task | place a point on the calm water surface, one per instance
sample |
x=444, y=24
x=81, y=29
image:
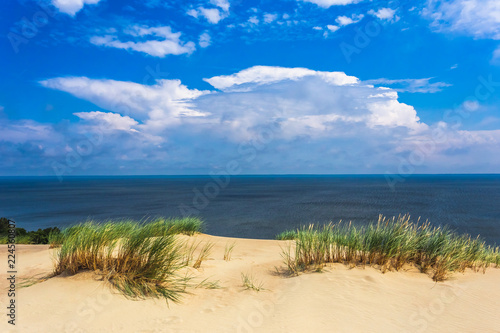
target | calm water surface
x=256, y=206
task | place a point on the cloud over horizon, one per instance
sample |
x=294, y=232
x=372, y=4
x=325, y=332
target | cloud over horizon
x=301, y=121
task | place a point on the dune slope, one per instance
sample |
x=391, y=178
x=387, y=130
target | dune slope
x=338, y=299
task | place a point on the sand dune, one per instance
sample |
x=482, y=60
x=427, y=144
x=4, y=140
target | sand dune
x=337, y=300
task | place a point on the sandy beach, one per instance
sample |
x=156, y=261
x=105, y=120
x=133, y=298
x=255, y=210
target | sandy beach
x=338, y=299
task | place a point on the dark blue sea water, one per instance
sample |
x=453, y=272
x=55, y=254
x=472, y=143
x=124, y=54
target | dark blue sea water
x=256, y=206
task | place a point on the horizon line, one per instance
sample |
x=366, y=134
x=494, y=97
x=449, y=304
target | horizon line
x=257, y=174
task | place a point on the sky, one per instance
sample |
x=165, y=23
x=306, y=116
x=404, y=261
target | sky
x=152, y=87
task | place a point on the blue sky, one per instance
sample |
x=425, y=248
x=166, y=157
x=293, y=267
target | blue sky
x=107, y=87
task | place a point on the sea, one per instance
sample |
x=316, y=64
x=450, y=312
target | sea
x=257, y=206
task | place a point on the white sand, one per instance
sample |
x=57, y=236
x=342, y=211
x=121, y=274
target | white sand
x=336, y=300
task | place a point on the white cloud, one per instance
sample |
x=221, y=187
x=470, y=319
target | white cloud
x=109, y=123
x=316, y=118
x=204, y=40
x=24, y=131
x=477, y=18
x=162, y=104
x=318, y=28
x=471, y=105
x=383, y=13
x=390, y=112
x=167, y=42
x=329, y=3
x=224, y=4
x=411, y=85
x=71, y=7
x=344, y=20
x=303, y=101
x=269, y=18
x=259, y=75
x=333, y=28
x=192, y=12
x=309, y=102
x=212, y=15
x=253, y=20
x=112, y=120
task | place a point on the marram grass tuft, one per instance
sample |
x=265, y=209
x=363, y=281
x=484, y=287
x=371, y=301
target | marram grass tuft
x=139, y=259
x=390, y=244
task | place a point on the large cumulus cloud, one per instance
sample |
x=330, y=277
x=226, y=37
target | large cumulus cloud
x=275, y=120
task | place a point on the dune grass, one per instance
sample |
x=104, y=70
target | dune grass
x=228, y=250
x=287, y=235
x=139, y=259
x=203, y=254
x=389, y=244
x=249, y=282
x=189, y=250
x=55, y=239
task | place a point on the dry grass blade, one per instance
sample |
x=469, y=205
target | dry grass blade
x=228, y=250
x=249, y=282
x=203, y=255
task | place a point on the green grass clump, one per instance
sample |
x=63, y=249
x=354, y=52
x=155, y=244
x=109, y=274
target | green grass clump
x=55, y=239
x=390, y=244
x=187, y=226
x=249, y=282
x=287, y=235
x=138, y=259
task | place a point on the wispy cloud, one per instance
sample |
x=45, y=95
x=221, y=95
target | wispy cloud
x=384, y=14
x=477, y=18
x=329, y=3
x=344, y=20
x=163, y=104
x=223, y=4
x=163, y=41
x=24, y=131
x=269, y=18
x=410, y=85
x=332, y=27
x=213, y=14
x=112, y=120
x=205, y=40
x=253, y=20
